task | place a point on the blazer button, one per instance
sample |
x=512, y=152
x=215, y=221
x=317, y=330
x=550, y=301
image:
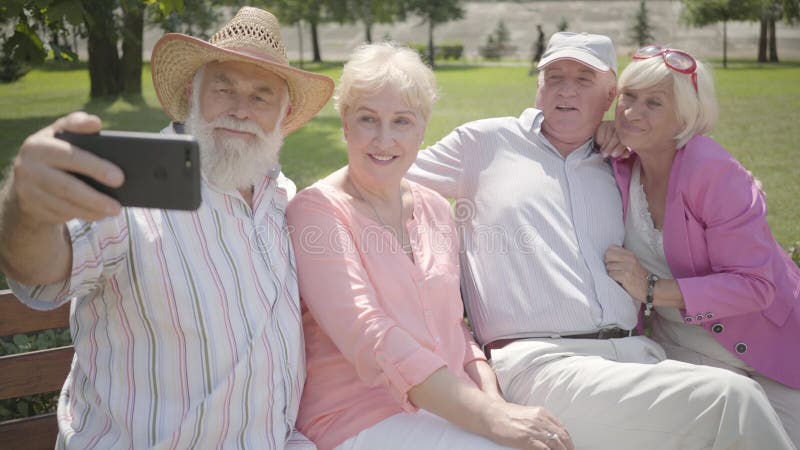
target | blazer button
x=717, y=328
x=688, y=318
x=741, y=347
x=709, y=315
x=699, y=317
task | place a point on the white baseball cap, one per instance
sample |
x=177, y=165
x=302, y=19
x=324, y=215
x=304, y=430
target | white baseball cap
x=594, y=50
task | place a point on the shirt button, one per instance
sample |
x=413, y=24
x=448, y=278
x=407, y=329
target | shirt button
x=699, y=317
x=718, y=328
x=687, y=318
x=741, y=347
x=709, y=315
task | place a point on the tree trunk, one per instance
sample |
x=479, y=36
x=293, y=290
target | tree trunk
x=367, y=13
x=431, y=48
x=132, y=33
x=368, y=32
x=762, y=40
x=104, y=65
x=773, y=44
x=315, y=43
x=724, y=44
x=300, y=40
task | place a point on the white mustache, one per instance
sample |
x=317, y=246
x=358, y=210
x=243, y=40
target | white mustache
x=247, y=125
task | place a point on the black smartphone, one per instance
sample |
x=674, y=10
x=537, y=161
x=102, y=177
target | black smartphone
x=161, y=170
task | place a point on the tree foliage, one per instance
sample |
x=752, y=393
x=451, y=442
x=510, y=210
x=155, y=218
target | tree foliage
x=197, y=18
x=640, y=32
x=371, y=12
x=29, y=30
x=706, y=12
x=108, y=24
x=435, y=12
x=310, y=12
x=498, y=43
x=767, y=12
x=773, y=11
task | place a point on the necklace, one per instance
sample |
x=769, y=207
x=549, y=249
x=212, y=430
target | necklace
x=402, y=238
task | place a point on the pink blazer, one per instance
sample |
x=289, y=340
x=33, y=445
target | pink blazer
x=736, y=280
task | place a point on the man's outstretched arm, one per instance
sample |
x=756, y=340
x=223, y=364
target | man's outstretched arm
x=40, y=196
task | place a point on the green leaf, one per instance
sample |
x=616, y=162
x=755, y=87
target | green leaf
x=25, y=48
x=69, y=10
x=167, y=6
x=46, y=339
x=21, y=340
x=23, y=407
x=13, y=8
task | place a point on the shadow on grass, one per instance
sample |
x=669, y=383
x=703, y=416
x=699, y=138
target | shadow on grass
x=746, y=64
x=317, y=67
x=135, y=115
x=62, y=66
x=455, y=67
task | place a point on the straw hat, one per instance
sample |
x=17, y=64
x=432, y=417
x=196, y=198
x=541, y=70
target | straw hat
x=252, y=36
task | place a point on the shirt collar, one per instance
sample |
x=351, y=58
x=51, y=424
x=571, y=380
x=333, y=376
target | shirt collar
x=531, y=120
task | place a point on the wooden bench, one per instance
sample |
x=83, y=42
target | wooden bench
x=35, y=372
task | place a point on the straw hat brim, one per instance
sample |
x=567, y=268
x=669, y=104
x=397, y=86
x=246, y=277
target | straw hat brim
x=176, y=58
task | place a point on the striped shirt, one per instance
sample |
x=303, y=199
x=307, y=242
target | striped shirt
x=533, y=228
x=186, y=326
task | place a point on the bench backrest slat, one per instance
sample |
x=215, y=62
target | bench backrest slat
x=34, y=433
x=29, y=373
x=17, y=318
x=34, y=372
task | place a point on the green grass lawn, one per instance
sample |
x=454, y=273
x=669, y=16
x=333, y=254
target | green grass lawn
x=760, y=113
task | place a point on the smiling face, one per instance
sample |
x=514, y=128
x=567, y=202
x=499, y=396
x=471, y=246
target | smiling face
x=383, y=135
x=235, y=114
x=243, y=92
x=646, y=119
x=573, y=98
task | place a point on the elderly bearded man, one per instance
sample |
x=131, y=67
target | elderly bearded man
x=537, y=207
x=187, y=333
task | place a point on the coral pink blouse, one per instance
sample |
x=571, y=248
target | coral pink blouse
x=376, y=324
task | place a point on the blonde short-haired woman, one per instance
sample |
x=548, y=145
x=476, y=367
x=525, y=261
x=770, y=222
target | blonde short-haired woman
x=698, y=252
x=391, y=364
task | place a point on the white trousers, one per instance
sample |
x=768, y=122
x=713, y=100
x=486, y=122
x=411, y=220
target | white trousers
x=623, y=394
x=417, y=431
x=784, y=399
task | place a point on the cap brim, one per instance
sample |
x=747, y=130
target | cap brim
x=575, y=55
x=176, y=58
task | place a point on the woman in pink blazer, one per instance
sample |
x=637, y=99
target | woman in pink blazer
x=698, y=252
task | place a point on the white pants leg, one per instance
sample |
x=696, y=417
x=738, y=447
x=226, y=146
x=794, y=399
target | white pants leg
x=417, y=431
x=620, y=394
x=785, y=400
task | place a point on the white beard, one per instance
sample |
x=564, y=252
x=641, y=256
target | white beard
x=232, y=162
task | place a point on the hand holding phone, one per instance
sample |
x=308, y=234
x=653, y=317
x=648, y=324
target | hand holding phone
x=161, y=171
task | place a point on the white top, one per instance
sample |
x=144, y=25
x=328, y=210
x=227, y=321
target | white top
x=186, y=326
x=533, y=227
x=647, y=243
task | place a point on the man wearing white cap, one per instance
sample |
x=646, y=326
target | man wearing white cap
x=536, y=207
x=186, y=325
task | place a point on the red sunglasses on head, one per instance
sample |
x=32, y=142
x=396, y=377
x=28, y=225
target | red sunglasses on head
x=677, y=60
